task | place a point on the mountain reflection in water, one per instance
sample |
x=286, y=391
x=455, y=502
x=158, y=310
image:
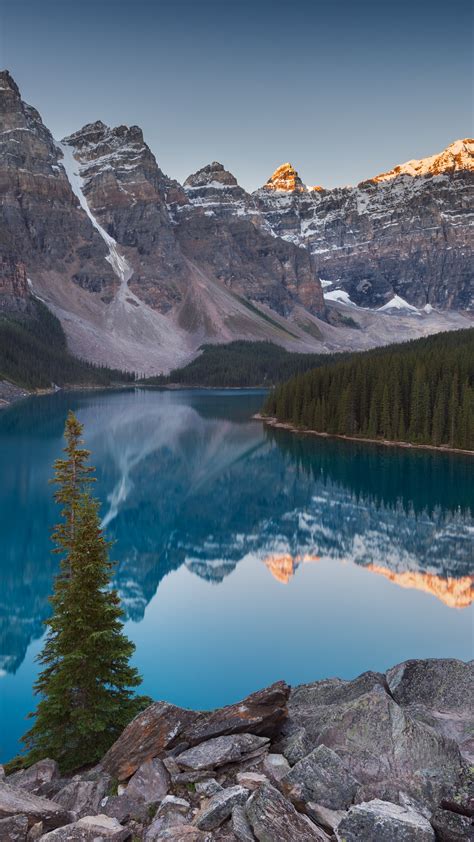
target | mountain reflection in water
x=188, y=479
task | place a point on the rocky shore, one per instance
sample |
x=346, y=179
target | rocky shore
x=382, y=758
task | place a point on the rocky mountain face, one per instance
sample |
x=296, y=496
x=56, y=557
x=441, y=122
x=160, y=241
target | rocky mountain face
x=141, y=270
x=404, y=233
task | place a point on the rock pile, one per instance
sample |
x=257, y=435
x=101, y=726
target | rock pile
x=382, y=758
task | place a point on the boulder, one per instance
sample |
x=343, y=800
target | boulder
x=124, y=808
x=209, y=787
x=90, y=829
x=220, y=807
x=272, y=817
x=150, y=782
x=323, y=816
x=241, y=825
x=276, y=766
x=149, y=735
x=34, y=778
x=251, y=780
x=321, y=777
x=161, y=727
x=222, y=750
x=382, y=821
x=172, y=812
x=14, y=829
x=451, y=827
x=381, y=745
x=261, y=713
x=185, y=833
x=439, y=692
x=20, y=802
x=83, y=797
x=2, y=773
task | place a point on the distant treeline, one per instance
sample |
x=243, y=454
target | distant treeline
x=34, y=354
x=242, y=364
x=420, y=392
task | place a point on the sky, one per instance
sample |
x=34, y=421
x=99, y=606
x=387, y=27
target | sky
x=343, y=90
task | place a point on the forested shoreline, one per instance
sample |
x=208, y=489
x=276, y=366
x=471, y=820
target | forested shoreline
x=419, y=392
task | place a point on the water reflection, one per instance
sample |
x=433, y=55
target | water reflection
x=188, y=481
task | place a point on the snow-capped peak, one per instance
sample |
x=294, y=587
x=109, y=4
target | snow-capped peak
x=457, y=156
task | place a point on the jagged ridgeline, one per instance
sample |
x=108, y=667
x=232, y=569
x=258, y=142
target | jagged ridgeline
x=420, y=392
x=34, y=354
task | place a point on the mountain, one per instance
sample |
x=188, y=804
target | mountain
x=405, y=234
x=141, y=270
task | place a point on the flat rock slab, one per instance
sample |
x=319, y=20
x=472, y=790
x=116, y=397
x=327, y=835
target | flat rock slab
x=272, y=817
x=251, y=780
x=241, y=825
x=36, y=809
x=261, y=713
x=451, y=827
x=90, y=829
x=382, y=821
x=150, y=782
x=186, y=833
x=220, y=807
x=276, y=766
x=439, y=692
x=220, y=751
x=149, y=735
x=14, y=829
x=83, y=797
x=33, y=778
x=321, y=777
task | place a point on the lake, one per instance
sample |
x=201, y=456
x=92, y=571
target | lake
x=244, y=555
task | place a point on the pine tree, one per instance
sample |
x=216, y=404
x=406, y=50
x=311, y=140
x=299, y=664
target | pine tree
x=86, y=684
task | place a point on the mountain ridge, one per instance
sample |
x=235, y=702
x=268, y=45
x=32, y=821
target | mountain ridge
x=142, y=270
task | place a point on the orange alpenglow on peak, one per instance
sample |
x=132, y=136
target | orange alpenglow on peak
x=457, y=156
x=285, y=178
x=456, y=593
x=283, y=567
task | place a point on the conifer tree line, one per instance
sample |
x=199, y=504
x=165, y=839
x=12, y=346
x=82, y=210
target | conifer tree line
x=87, y=685
x=420, y=392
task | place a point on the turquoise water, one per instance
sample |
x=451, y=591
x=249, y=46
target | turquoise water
x=243, y=555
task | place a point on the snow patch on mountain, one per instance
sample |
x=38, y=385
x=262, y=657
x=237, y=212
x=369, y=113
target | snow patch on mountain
x=398, y=303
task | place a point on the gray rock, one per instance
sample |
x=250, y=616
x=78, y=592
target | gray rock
x=241, y=825
x=209, y=787
x=323, y=816
x=221, y=750
x=276, y=766
x=452, y=827
x=172, y=812
x=124, y=808
x=272, y=817
x=251, y=780
x=220, y=807
x=17, y=801
x=34, y=778
x=185, y=833
x=380, y=744
x=90, y=829
x=439, y=692
x=382, y=821
x=151, y=781
x=184, y=778
x=83, y=797
x=35, y=832
x=14, y=829
x=321, y=777
x=2, y=773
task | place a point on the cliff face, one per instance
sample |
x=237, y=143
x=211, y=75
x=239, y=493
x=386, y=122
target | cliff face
x=404, y=233
x=142, y=271
x=42, y=226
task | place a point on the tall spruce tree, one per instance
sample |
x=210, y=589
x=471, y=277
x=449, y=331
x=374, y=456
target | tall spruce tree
x=86, y=685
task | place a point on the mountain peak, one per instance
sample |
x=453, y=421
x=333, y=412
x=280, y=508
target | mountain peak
x=7, y=82
x=457, y=156
x=285, y=178
x=211, y=174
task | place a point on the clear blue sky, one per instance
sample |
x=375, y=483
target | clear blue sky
x=343, y=90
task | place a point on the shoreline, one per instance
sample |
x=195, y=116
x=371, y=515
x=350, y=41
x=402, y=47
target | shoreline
x=273, y=422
